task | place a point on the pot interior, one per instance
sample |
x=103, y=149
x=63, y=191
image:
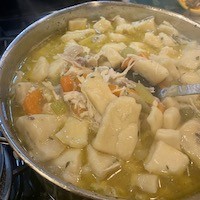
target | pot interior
x=42, y=29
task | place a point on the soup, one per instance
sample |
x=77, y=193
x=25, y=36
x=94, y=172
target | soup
x=81, y=111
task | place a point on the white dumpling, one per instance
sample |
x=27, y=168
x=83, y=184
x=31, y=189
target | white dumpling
x=152, y=40
x=100, y=163
x=166, y=61
x=167, y=28
x=40, y=70
x=190, y=132
x=119, y=20
x=171, y=118
x=155, y=119
x=170, y=102
x=77, y=24
x=167, y=40
x=164, y=159
x=77, y=35
x=74, y=133
x=97, y=91
x=116, y=46
x=113, y=56
x=21, y=90
x=147, y=182
x=139, y=47
x=125, y=28
x=103, y=25
x=39, y=126
x=56, y=68
x=149, y=69
x=147, y=24
x=70, y=162
x=191, y=77
x=190, y=58
x=119, y=124
x=169, y=136
x=117, y=37
x=39, y=130
x=127, y=140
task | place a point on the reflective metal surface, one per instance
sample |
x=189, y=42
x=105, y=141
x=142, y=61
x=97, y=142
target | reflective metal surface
x=43, y=28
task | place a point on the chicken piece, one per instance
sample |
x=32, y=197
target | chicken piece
x=147, y=24
x=102, y=25
x=40, y=70
x=40, y=130
x=77, y=24
x=190, y=132
x=119, y=124
x=171, y=118
x=146, y=182
x=21, y=90
x=155, y=119
x=77, y=35
x=74, y=133
x=97, y=91
x=149, y=69
x=164, y=159
x=152, y=40
x=100, y=163
x=170, y=137
x=70, y=162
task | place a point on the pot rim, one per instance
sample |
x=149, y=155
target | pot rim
x=3, y=119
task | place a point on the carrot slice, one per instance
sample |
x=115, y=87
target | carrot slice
x=67, y=83
x=33, y=102
x=114, y=90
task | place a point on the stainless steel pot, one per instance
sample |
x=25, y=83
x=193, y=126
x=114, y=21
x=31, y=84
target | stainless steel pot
x=45, y=27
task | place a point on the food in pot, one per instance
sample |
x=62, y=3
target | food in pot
x=81, y=111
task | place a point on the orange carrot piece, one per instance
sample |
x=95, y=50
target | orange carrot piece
x=67, y=83
x=113, y=89
x=33, y=102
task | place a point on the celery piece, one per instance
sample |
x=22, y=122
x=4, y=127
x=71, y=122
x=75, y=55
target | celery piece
x=126, y=51
x=59, y=107
x=144, y=93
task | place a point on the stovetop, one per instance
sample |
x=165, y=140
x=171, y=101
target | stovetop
x=17, y=180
